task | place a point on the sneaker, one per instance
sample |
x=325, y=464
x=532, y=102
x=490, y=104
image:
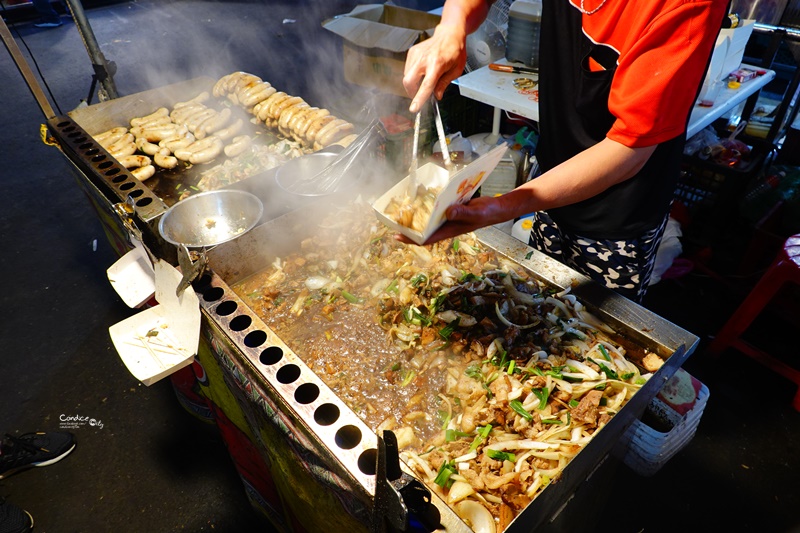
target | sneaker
x=33, y=449
x=48, y=24
x=13, y=519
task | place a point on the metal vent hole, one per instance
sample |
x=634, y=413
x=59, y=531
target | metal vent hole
x=226, y=308
x=144, y=202
x=288, y=374
x=255, y=339
x=271, y=355
x=213, y=294
x=126, y=186
x=120, y=178
x=91, y=152
x=366, y=461
x=200, y=284
x=112, y=171
x=326, y=414
x=136, y=194
x=100, y=157
x=306, y=393
x=241, y=323
x=84, y=146
x=348, y=437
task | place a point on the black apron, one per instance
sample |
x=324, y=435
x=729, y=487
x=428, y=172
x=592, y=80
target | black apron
x=574, y=115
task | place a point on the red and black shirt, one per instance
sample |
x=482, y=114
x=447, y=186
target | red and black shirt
x=631, y=71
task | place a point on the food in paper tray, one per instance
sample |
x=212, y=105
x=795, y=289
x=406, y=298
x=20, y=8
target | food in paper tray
x=438, y=189
x=414, y=213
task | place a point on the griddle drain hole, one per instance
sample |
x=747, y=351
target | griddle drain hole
x=306, y=393
x=256, y=338
x=213, y=294
x=326, y=414
x=347, y=437
x=226, y=308
x=367, y=460
x=271, y=355
x=288, y=374
x=126, y=186
x=241, y=323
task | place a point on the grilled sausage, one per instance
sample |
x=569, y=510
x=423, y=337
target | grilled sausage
x=213, y=123
x=230, y=131
x=134, y=161
x=110, y=136
x=159, y=113
x=238, y=145
x=165, y=160
x=144, y=173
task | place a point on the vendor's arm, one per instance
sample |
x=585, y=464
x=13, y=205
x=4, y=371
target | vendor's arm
x=432, y=64
x=583, y=176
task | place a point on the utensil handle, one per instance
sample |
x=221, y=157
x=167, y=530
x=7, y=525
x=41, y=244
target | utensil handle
x=440, y=130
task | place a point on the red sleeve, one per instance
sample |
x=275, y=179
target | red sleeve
x=657, y=79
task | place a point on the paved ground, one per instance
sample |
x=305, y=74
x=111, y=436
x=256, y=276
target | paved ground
x=151, y=467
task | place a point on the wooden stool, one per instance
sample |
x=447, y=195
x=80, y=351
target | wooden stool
x=785, y=268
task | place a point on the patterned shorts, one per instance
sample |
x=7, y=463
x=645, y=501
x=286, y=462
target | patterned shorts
x=621, y=265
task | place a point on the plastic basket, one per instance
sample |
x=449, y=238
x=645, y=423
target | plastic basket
x=647, y=449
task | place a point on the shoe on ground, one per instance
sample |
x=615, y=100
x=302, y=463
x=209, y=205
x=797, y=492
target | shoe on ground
x=48, y=24
x=13, y=519
x=33, y=449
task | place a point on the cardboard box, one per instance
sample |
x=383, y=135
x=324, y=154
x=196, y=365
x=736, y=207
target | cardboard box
x=726, y=58
x=737, y=40
x=376, y=38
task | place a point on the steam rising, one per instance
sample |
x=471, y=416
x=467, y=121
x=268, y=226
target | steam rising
x=207, y=39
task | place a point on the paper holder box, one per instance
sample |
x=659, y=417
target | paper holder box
x=456, y=188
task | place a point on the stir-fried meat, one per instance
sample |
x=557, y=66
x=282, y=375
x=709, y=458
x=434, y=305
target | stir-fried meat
x=466, y=357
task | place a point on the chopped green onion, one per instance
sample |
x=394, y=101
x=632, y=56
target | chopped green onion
x=574, y=403
x=453, y=434
x=552, y=421
x=446, y=331
x=529, y=255
x=443, y=476
x=455, y=245
x=419, y=279
x=392, y=287
x=627, y=375
x=610, y=373
x=474, y=371
x=603, y=401
x=501, y=456
x=516, y=405
x=480, y=437
x=639, y=381
x=349, y=297
x=397, y=366
x=600, y=386
x=542, y=394
x=408, y=378
x=511, y=366
x=604, y=352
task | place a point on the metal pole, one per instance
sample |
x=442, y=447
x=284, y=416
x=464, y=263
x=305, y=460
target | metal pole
x=25, y=70
x=103, y=70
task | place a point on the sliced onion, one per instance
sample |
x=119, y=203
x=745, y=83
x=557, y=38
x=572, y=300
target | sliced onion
x=314, y=283
x=584, y=368
x=561, y=305
x=507, y=322
x=521, y=297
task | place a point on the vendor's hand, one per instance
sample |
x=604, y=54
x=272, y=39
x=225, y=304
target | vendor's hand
x=432, y=64
x=462, y=218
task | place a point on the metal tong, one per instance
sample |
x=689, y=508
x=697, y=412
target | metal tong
x=448, y=163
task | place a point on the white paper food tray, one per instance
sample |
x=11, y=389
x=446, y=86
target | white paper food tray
x=160, y=340
x=458, y=188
